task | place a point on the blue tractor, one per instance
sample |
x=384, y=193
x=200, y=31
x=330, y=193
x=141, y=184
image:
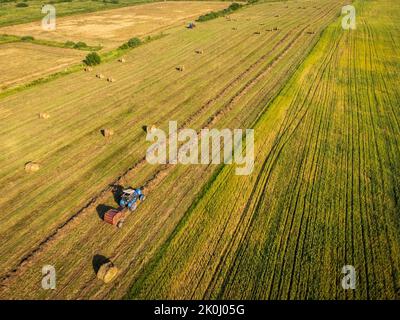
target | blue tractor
x=191, y=25
x=130, y=198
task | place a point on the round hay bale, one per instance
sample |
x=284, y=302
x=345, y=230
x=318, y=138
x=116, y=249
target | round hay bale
x=44, y=115
x=180, y=68
x=257, y=32
x=151, y=128
x=108, y=132
x=122, y=60
x=107, y=272
x=199, y=51
x=32, y=167
x=88, y=69
x=100, y=76
x=110, y=79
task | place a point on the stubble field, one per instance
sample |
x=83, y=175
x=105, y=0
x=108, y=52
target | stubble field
x=110, y=28
x=23, y=62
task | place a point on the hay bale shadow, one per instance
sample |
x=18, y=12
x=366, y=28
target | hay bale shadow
x=97, y=261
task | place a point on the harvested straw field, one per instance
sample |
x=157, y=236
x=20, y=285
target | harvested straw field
x=323, y=192
x=23, y=62
x=12, y=15
x=111, y=28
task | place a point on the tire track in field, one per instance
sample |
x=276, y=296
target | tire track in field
x=267, y=167
x=356, y=164
x=315, y=192
x=315, y=124
x=388, y=151
x=241, y=222
x=309, y=162
x=294, y=198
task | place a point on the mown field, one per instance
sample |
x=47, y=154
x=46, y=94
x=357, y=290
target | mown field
x=10, y=14
x=324, y=192
x=110, y=28
x=52, y=216
x=105, y=30
x=24, y=62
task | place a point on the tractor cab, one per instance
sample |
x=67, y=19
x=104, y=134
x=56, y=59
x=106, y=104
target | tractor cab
x=191, y=25
x=130, y=198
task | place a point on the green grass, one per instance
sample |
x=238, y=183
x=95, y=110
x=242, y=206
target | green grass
x=5, y=38
x=323, y=193
x=216, y=14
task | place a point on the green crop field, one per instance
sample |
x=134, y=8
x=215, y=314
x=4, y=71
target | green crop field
x=323, y=193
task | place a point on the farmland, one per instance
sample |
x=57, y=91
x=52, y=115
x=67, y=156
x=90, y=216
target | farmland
x=338, y=151
x=17, y=58
x=323, y=103
x=103, y=30
x=110, y=28
x=11, y=14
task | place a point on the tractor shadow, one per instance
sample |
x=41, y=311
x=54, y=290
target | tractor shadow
x=102, y=209
x=117, y=191
x=97, y=261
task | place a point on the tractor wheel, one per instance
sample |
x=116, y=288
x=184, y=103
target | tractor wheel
x=133, y=207
x=120, y=224
x=142, y=197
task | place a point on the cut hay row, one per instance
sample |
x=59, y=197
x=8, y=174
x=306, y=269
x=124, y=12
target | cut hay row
x=243, y=83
